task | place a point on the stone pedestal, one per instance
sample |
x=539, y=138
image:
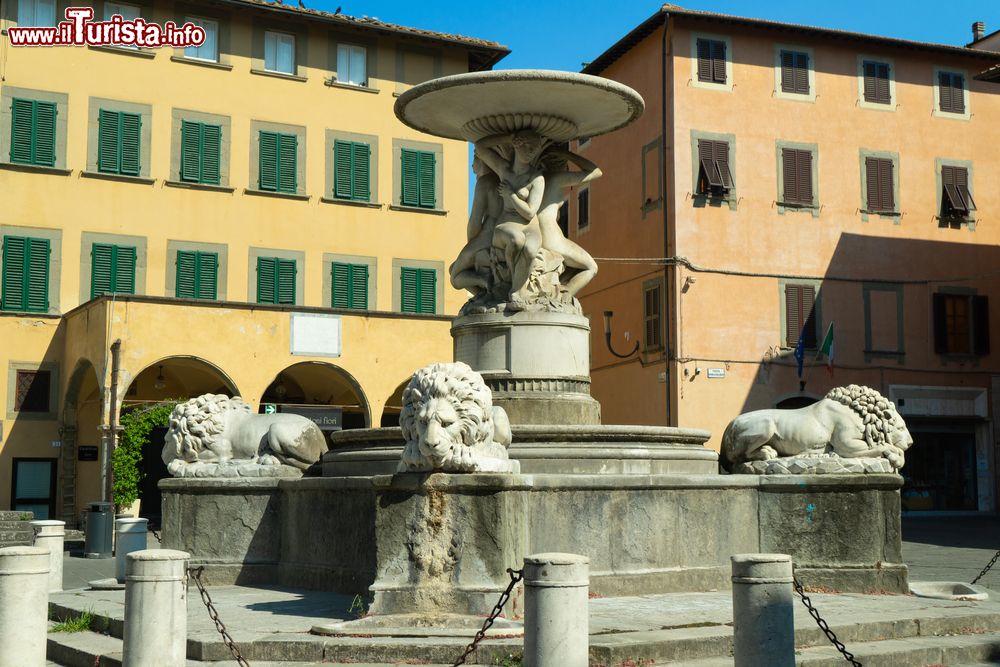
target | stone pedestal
x=130, y=535
x=763, y=618
x=556, y=615
x=155, y=609
x=536, y=363
x=24, y=603
x=51, y=534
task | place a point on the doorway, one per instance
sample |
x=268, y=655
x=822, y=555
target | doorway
x=152, y=469
x=940, y=471
x=34, y=487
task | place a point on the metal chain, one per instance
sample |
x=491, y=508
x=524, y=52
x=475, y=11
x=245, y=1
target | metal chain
x=988, y=567
x=195, y=573
x=515, y=577
x=156, y=535
x=837, y=644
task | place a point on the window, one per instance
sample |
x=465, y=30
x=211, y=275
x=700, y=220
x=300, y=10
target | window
x=25, y=274
x=652, y=316
x=876, y=84
x=418, y=178
x=197, y=275
x=276, y=280
x=583, y=209
x=800, y=315
x=951, y=92
x=352, y=64
x=34, y=487
x=349, y=285
x=127, y=12
x=201, y=149
x=797, y=176
x=279, y=52
x=418, y=290
x=795, y=72
x=714, y=177
x=118, y=142
x=351, y=166
x=711, y=61
x=36, y=13
x=956, y=199
x=879, y=185
x=112, y=269
x=961, y=324
x=278, y=162
x=209, y=50
x=32, y=391
x=33, y=132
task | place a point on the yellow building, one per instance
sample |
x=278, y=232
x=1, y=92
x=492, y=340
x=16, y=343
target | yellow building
x=244, y=217
x=782, y=180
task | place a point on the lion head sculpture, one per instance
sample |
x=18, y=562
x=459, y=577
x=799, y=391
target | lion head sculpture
x=210, y=431
x=450, y=424
x=882, y=423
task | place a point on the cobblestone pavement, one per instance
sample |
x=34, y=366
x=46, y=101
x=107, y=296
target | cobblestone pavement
x=951, y=548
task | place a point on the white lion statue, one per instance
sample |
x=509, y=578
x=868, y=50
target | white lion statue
x=214, y=435
x=853, y=422
x=450, y=424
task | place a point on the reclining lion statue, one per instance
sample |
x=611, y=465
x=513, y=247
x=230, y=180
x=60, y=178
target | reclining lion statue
x=214, y=435
x=850, y=422
x=450, y=424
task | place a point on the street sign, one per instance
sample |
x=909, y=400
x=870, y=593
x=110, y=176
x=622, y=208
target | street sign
x=270, y=408
x=327, y=418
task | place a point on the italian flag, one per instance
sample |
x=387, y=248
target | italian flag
x=826, y=347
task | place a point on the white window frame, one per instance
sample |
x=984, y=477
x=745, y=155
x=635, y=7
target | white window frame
x=936, y=89
x=709, y=85
x=272, y=44
x=794, y=97
x=211, y=28
x=112, y=8
x=875, y=106
x=26, y=18
x=346, y=73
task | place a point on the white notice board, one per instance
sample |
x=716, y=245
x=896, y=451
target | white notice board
x=315, y=335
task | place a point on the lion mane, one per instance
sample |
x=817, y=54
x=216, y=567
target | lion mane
x=878, y=415
x=197, y=425
x=483, y=429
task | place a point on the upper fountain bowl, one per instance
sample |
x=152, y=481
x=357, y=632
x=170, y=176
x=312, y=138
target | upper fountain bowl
x=558, y=105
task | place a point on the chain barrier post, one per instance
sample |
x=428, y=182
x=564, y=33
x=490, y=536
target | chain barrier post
x=155, y=609
x=51, y=535
x=763, y=614
x=556, y=618
x=989, y=566
x=130, y=535
x=213, y=613
x=823, y=625
x=515, y=579
x=24, y=606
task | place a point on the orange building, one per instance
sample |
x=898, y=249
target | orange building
x=788, y=183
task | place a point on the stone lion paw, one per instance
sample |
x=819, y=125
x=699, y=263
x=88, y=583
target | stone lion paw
x=767, y=453
x=268, y=460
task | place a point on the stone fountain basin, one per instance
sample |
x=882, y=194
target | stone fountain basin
x=547, y=449
x=948, y=590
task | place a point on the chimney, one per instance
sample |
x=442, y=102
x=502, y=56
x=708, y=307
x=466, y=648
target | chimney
x=978, y=30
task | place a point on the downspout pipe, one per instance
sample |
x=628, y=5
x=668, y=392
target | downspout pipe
x=111, y=438
x=668, y=268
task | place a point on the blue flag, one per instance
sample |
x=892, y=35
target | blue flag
x=800, y=351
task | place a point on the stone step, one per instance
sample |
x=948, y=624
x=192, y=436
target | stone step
x=953, y=651
x=13, y=515
x=15, y=525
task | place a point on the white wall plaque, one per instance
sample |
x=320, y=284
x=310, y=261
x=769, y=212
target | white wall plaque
x=716, y=372
x=315, y=335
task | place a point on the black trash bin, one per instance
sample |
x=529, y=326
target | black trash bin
x=100, y=529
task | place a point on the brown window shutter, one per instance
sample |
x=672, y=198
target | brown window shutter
x=788, y=72
x=870, y=87
x=958, y=93
x=885, y=185
x=940, y=324
x=882, y=81
x=952, y=200
x=980, y=325
x=804, y=176
x=719, y=62
x=790, y=175
x=944, y=91
x=721, y=156
x=704, y=60
x=709, y=175
x=809, y=315
x=962, y=185
x=871, y=183
x=793, y=314
x=802, y=73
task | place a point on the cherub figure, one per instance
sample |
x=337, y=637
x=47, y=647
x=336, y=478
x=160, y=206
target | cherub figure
x=487, y=206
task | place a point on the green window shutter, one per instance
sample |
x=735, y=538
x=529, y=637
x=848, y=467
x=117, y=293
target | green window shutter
x=131, y=123
x=287, y=162
x=108, y=133
x=340, y=285
x=12, y=289
x=187, y=278
x=191, y=151
x=207, y=283
x=343, y=169
x=266, y=271
x=268, y=167
x=409, y=176
x=211, y=154
x=408, y=290
x=361, y=156
x=427, y=184
x=427, y=291
x=285, y=288
x=359, y=286
x=45, y=134
x=22, y=133
x=36, y=276
x=124, y=270
x=101, y=269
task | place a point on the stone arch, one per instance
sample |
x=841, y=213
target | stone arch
x=81, y=415
x=393, y=406
x=177, y=376
x=314, y=385
x=796, y=400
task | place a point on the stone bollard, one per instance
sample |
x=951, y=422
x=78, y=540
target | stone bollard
x=763, y=618
x=556, y=618
x=24, y=606
x=50, y=535
x=155, y=609
x=130, y=535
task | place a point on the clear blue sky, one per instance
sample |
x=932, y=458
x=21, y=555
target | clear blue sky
x=561, y=35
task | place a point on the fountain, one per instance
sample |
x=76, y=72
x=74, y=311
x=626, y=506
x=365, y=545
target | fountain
x=501, y=453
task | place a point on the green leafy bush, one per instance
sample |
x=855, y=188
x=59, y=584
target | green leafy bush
x=137, y=424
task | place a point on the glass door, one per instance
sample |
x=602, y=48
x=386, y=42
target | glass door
x=34, y=487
